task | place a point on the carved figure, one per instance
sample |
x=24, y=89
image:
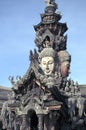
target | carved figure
x=64, y=62
x=47, y=61
x=81, y=105
x=7, y=117
x=49, y=65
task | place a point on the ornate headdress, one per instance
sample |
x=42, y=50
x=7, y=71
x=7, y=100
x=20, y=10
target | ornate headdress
x=64, y=56
x=47, y=52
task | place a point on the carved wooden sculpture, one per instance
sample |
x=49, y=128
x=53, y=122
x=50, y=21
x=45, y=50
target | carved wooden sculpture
x=44, y=99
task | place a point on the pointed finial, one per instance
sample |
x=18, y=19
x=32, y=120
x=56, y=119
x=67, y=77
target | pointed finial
x=50, y=2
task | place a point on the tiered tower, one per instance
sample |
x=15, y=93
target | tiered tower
x=44, y=99
x=50, y=29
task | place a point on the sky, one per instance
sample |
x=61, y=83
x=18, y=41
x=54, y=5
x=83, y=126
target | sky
x=17, y=35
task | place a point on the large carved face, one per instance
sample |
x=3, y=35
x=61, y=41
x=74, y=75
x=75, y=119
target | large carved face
x=47, y=65
x=65, y=69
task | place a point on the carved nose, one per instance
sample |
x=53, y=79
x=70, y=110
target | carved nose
x=47, y=67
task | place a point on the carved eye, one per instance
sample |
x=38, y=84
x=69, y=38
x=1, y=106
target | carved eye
x=50, y=62
x=44, y=63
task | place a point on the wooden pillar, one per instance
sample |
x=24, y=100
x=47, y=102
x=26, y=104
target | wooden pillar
x=29, y=123
x=25, y=125
x=41, y=122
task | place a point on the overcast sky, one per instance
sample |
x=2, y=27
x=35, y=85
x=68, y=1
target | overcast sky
x=17, y=35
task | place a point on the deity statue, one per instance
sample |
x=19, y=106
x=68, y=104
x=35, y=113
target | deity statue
x=64, y=62
x=47, y=62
